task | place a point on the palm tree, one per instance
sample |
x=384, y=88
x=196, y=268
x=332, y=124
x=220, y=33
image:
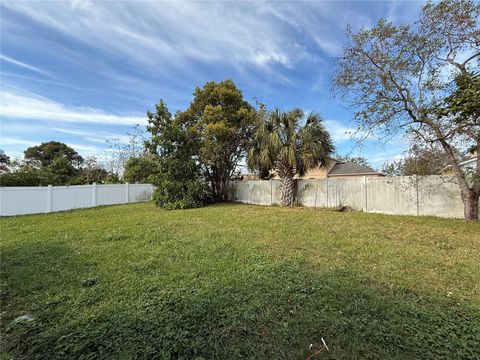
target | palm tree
x=281, y=144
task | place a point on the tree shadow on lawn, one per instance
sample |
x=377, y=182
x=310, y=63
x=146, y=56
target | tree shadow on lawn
x=258, y=308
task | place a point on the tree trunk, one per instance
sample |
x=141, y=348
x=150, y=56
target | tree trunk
x=218, y=182
x=470, y=205
x=287, y=188
x=469, y=194
x=287, y=184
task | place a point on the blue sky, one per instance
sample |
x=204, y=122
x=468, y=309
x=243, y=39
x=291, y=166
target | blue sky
x=81, y=72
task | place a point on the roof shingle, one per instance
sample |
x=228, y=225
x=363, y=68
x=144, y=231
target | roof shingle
x=349, y=168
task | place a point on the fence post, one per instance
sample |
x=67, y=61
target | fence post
x=271, y=192
x=326, y=182
x=94, y=194
x=126, y=192
x=416, y=189
x=49, y=198
x=365, y=193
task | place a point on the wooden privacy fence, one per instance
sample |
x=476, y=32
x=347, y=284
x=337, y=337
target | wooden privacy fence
x=44, y=199
x=400, y=195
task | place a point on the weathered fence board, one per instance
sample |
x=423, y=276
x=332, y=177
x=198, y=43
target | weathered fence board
x=400, y=195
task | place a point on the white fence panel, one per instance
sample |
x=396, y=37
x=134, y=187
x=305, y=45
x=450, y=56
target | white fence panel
x=111, y=194
x=23, y=200
x=439, y=196
x=33, y=200
x=139, y=192
x=71, y=197
x=239, y=191
x=346, y=192
x=392, y=195
x=260, y=192
x=308, y=192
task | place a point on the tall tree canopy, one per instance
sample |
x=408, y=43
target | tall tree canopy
x=396, y=78
x=172, y=162
x=219, y=123
x=48, y=152
x=282, y=144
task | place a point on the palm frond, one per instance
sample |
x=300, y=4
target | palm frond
x=280, y=137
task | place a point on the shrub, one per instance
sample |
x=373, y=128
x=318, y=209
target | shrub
x=177, y=194
x=141, y=169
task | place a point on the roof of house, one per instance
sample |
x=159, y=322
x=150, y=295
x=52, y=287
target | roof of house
x=349, y=168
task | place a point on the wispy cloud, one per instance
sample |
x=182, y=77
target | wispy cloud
x=339, y=132
x=118, y=58
x=25, y=66
x=166, y=35
x=386, y=157
x=83, y=149
x=87, y=150
x=29, y=106
x=49, y=82
x=94, y=136
x=14, y=141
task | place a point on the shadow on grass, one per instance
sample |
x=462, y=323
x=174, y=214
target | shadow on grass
x=257, y=308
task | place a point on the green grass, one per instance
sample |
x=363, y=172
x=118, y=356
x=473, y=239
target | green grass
x=238, y=281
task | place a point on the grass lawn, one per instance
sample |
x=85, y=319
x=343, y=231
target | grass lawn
x=238, y=281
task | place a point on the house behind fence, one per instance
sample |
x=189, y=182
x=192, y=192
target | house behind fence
x=43, y=199
x=400, y=195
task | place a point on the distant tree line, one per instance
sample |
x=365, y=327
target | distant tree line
x=52, y=163
x=419, y=160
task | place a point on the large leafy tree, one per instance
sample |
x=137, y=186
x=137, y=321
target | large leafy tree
x=218, y=123
x=396, y=78
x=54, y=162
x=281, y=143
x=141, y=169
x=171, y=162
x=48, y=152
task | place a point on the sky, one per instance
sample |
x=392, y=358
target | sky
x=81, y=72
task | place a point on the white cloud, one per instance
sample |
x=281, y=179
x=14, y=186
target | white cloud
x=25, y=66
x=339, y=132
x=332, y=48
x=13, y=141
x=96, y=136
x=165, y=35
x=384, y=157
x=25, y=105
x=87, y=150
x=15, y=146
x=156, y=31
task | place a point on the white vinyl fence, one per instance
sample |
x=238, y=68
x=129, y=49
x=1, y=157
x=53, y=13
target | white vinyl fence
x=43, y=199
x=401, y=195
